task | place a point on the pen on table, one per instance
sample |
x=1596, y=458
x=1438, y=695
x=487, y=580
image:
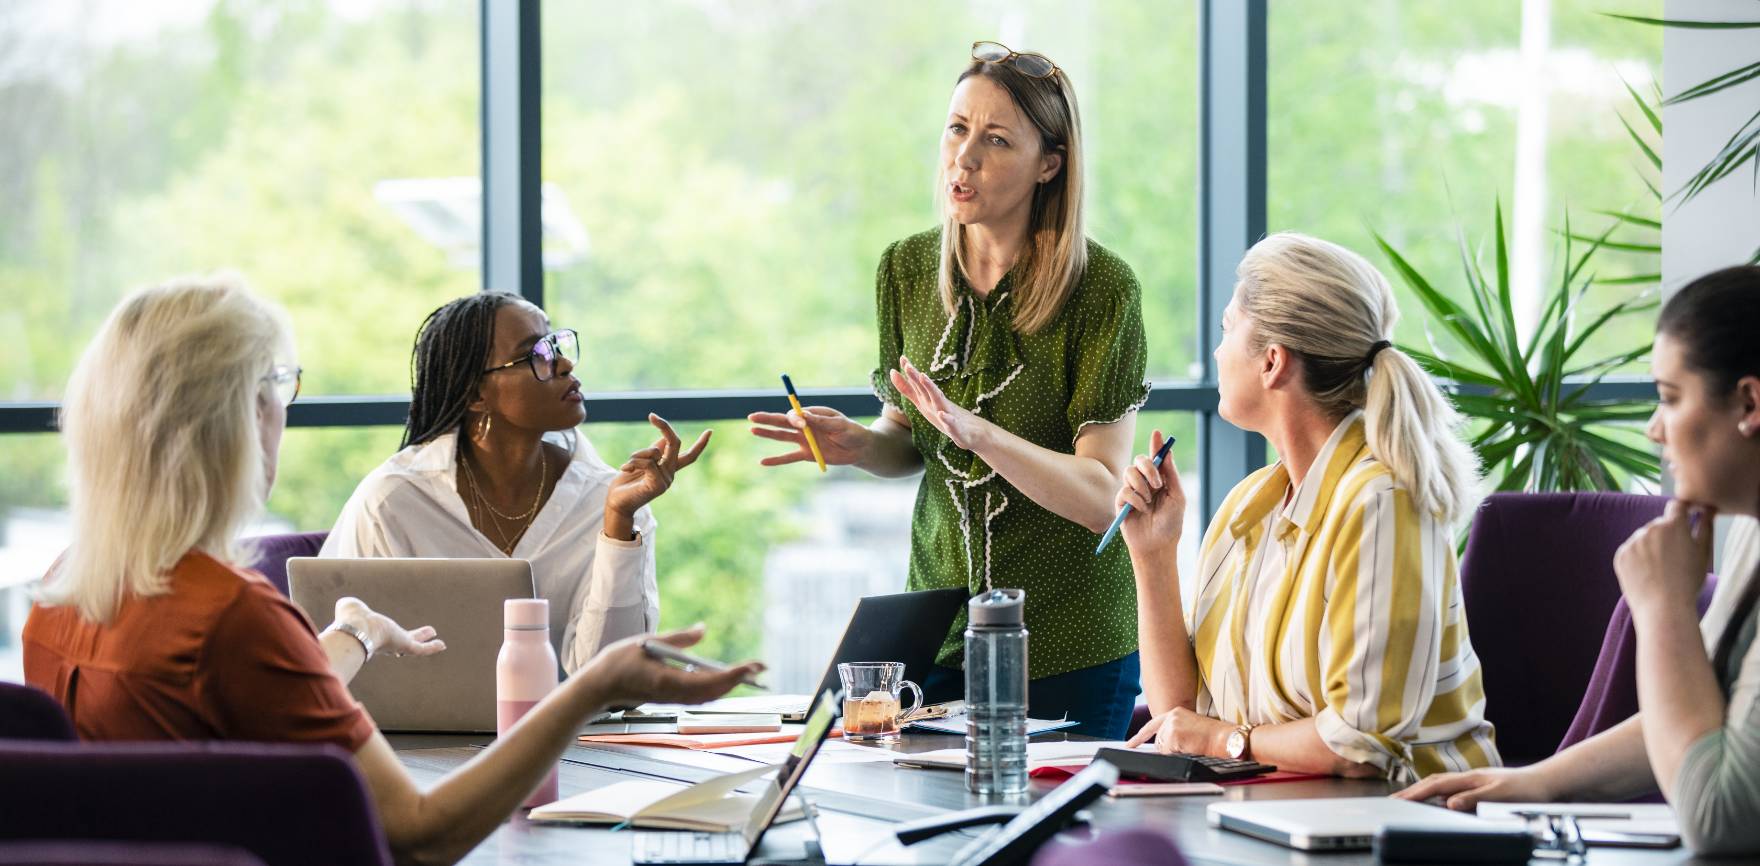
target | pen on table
x=669, y=653
x=795, y=401
x=1160, y=455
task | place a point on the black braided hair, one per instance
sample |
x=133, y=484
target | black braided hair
x=446, y=365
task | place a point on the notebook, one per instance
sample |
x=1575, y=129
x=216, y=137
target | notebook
x=709, y=807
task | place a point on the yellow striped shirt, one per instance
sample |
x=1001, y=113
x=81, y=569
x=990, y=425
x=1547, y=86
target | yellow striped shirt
x=1343, y=606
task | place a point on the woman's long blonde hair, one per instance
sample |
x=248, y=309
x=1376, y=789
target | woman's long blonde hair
x=161, y=427
x=1056, y=253
x=1331, y=308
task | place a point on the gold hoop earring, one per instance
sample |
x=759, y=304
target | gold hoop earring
x=483, y=428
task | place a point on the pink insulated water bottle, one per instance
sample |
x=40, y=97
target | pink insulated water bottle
x=524, y=673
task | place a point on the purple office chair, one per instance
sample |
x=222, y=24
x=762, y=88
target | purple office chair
x=285, y=804
x=73, y=853
x=1130, y=846
x=28, y=713
x=1612, y=696
x=1538, y=584
x=1140, y=716
x=273, y=552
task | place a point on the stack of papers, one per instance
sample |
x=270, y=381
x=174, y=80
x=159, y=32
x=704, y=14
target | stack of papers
x=787, y=734
x=1038, y=755
x=956, y=724
x=1599, y=821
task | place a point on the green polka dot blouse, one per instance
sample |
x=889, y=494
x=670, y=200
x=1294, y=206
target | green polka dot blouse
x=974, y=529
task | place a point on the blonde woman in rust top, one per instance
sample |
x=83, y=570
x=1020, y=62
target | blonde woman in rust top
x=149, y=628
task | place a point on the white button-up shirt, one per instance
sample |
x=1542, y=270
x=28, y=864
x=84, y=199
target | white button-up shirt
x=600, y=589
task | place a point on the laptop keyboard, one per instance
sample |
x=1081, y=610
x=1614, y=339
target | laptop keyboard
x=687, y=847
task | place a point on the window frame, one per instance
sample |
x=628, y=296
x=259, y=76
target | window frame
x=1231, y=215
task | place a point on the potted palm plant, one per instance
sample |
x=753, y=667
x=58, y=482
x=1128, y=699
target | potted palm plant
x=1537, y=422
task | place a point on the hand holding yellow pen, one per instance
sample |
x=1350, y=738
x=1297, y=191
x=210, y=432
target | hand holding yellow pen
x=795, y=401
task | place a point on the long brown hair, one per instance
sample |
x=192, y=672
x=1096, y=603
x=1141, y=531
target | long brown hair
x=1056, y=253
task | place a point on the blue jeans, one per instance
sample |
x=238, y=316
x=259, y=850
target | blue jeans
x=1099, y=699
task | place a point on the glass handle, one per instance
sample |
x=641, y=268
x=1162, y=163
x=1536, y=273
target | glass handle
x=917, y=693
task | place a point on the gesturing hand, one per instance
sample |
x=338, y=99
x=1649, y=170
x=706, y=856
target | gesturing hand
x=841, y=440
x=1157, y=501
x=649, y=472
x=952, y=419
x=631, y=677
x=389, y=638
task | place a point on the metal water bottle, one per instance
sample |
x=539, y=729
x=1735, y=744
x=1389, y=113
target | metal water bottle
x=525, y=672
x=996, y=692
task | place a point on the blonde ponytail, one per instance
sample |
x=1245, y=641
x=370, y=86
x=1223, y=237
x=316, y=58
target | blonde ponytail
x=1333, y=310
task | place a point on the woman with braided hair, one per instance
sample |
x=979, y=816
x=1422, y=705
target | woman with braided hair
x=491, y=466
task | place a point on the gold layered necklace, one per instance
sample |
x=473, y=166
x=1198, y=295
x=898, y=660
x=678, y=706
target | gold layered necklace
x=494, y=517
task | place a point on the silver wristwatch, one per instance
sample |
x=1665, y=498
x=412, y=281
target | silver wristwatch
x=355, y=632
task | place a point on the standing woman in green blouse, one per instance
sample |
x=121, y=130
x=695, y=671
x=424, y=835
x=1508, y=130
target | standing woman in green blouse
x=1011, y=369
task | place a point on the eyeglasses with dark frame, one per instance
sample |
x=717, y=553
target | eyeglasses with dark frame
x=545, y=353
x=1028, y=63
x=285, y=379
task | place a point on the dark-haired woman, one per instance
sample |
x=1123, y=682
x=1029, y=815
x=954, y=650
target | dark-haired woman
x=490, y=466
x=1697, y=731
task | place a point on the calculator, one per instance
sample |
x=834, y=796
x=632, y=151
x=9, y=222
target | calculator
x=1157, y=767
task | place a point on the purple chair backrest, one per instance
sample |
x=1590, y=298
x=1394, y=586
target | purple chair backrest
x=273, y=552
x=1612, y=696
x=286, y=804
x=28, y=713
x=1129, y=846
x=1538, y=584
x=69, y=853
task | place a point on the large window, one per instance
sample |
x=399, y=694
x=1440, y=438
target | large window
x=745, y=165
x=718, y=180
x=1414, y=119
x=326, y=150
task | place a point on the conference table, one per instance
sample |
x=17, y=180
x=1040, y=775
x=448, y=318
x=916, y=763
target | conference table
x=859, y=803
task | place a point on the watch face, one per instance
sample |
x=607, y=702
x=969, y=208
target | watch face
x=1237, y=744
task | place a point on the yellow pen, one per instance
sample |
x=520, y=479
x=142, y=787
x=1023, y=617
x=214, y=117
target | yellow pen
x=795, y=401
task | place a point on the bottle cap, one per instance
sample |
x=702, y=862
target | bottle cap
x=998, y=608
x=526, y=613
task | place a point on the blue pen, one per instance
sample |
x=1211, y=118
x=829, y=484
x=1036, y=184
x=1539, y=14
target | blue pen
x=1160, y=454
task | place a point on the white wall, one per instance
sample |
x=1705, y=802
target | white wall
x=1721, y=226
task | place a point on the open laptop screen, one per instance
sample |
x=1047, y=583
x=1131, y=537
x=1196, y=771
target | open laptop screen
x=793, y=768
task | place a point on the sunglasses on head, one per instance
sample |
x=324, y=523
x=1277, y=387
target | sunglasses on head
x=1028, y=63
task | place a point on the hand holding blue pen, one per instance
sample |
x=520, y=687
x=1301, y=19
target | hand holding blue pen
x=1160, y=455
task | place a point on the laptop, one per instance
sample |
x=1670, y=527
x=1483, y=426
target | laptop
x=684, y=846
x=448, y=692
x=1335, y=824
x=904, y=627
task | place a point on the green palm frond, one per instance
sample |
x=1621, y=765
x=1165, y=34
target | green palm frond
x=1532, y=422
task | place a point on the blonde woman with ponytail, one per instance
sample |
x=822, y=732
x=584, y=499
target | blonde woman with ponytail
x=1326, y=632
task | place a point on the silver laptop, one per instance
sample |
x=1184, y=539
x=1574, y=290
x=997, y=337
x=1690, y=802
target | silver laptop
x=1335, y=824
x=451, y=691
